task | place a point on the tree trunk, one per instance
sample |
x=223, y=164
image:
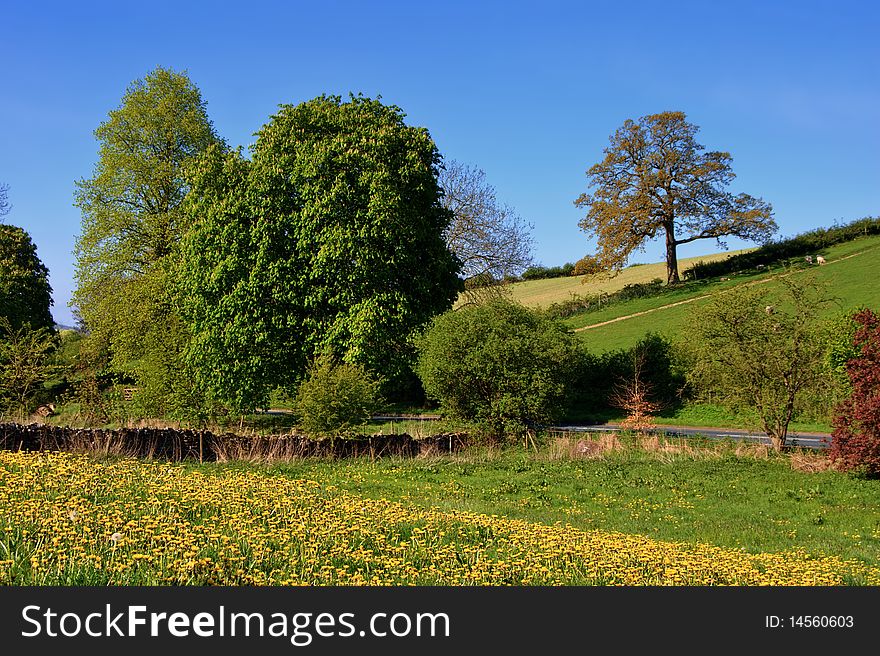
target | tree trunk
x=671, y=257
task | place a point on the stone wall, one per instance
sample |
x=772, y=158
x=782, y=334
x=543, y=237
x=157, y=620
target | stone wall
x=204, y=446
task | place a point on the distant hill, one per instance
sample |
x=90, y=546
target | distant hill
x=542, y=293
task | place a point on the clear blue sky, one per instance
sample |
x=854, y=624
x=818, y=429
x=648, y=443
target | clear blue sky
x=529, y=92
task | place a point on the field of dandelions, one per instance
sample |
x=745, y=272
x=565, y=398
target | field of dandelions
x=71, y=520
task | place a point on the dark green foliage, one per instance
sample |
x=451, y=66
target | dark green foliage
x=499, y=364
x=808, y=243
x=335, y=397
x=591, y=302
x=25, y=295
x=329, y=239
x=539, y=272
x=661, y=370
x=856, y=437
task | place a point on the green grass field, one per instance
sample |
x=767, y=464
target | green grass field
x=851, y=281
x=739, y=502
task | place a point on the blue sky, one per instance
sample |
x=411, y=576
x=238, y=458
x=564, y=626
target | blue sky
x=529, y=92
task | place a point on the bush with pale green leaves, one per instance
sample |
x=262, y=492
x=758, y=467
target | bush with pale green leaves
x=335, y=397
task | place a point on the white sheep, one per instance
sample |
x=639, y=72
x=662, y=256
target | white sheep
x=820, y=259
x=809, y=259
x=769, y=309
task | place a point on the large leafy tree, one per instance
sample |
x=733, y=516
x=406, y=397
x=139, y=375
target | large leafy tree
x=132, y=223
x=656, y=180
x=330, y=239
x=489, y=238
x=25, y=294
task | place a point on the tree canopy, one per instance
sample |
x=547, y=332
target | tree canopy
x=330, y=239
x=25, y=294
x=657, y=180
x=132, y=222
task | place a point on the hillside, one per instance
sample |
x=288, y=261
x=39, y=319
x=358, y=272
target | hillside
x=850, y=274
x=541, y=293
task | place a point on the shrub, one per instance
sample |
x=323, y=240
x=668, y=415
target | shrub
x=539, y=272
x=335, y=397
x=653, y=360
x=856, y=437
x=760, y=351
x=592, y=302
x=635, y=397
x=500, y=365
x=25, y=365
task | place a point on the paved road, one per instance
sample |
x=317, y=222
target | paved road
x=806, y=440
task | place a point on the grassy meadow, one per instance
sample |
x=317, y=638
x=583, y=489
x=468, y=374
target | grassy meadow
x=851, y=281
x=673, y=516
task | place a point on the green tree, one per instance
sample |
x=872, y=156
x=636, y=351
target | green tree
x=656, y=180
x=761, y=352
x=498, y=364
x=335, y=397
x=25, y=294
x=25, y=364
x=330, y=239
x=132, y=223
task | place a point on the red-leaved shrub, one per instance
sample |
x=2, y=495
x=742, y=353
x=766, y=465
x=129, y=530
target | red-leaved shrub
x=856, y=437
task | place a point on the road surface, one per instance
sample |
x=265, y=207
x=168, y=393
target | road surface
x=801, y=439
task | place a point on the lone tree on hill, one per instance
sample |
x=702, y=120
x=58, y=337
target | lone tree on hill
x=655, y=177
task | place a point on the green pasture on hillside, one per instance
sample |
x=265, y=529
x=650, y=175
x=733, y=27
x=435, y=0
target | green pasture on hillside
x=851, y=282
